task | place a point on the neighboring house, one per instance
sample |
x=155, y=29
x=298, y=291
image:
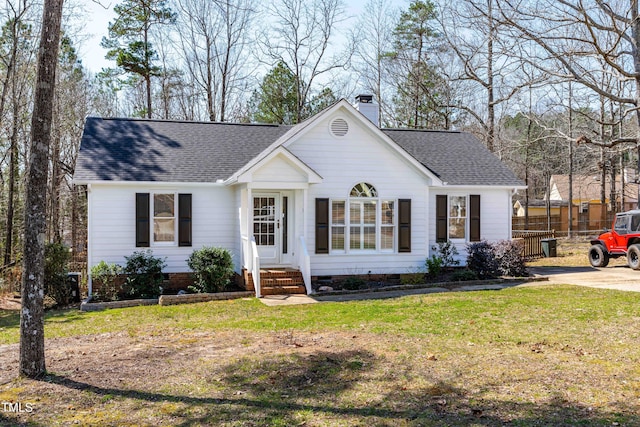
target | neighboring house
x=332, y=196
x=588, y=213
x=587, y=189
x=538, y=207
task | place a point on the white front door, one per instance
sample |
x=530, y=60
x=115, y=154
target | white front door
x=272, y=221
x=266, y=227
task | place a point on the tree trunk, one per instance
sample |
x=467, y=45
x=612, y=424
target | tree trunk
x=210, y=96
x=491, y=115
x=13, y=155
x=570, y=213
x=635, y=30
x=32, y=360
x=13, y=172
x=56, y=182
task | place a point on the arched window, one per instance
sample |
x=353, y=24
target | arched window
x=363, y=190
x=362, y=221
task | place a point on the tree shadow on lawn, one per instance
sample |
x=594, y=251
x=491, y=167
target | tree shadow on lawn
x=326, y=388
x=11, y=318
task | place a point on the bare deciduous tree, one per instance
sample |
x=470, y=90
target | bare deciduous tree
x=373, y=40
x=301, y=38
x=488, y=63
x=16, y=61
x=214, y=40
x=587, y=41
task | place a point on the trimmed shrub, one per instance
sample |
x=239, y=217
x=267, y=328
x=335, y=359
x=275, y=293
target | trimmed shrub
x=412, y=279
x=447, y=252
x=464, y=275
x=106, y=275
x=212, y=268
x=481, y=259
x=56, y=259
x=511, y=261
x=434, y=266
x=144, y=275
x=354, y=283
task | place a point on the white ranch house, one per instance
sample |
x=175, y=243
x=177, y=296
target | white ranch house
x=332, y=196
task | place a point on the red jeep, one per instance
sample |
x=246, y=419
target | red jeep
x=623, y=240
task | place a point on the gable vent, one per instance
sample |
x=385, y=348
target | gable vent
x=339, y=127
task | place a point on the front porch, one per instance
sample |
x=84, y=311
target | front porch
x=281, y=281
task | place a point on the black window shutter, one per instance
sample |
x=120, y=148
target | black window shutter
x=474, y=218
x=184, y=219
x=441, y=218
x=322, y=226
x=142, y=220
x=404, y=225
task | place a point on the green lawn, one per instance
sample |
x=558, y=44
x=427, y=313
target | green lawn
x=545, y=355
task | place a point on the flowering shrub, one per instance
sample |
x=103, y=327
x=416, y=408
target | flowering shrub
x=481, y=258
x=510, y=259
x=500, y=259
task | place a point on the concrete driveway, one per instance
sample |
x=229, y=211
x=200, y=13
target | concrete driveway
x=615, y=277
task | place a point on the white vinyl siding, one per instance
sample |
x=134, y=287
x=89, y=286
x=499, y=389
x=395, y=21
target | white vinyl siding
x=495, y=215
x=112, y=219
x=361, y=157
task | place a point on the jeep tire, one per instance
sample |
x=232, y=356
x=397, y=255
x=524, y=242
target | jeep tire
x=633, y=256
x=598, y=256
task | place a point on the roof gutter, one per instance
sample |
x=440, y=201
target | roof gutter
x=217, y=183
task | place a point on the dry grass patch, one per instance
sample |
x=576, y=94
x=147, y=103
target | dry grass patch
x=553, y=356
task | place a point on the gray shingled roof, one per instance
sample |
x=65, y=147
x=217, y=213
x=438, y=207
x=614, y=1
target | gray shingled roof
x=457, y=158
x=174, y=151
x=170, y=151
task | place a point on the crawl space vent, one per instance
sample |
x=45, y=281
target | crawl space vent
x=339, y=127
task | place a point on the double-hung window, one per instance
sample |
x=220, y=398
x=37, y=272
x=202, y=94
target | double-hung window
x=163, y=219
x=458, y=217
x=387, y=225
x=362, y=224
x=338, y=225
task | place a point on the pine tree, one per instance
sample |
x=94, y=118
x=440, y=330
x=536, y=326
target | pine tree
x=129, y=40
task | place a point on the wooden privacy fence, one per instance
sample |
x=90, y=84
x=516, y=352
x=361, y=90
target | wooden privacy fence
x=532, y=241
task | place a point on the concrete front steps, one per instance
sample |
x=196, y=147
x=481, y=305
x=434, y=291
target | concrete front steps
x=278, y=282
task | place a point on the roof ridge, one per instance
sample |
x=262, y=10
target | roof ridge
x=141, y=119
x=421, y=130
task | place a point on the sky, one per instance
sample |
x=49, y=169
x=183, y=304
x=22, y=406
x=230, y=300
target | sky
x=98, y=18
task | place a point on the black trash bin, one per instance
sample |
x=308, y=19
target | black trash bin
x=73, y=281
x=549, y=248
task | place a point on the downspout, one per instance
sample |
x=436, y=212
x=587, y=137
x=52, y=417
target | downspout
x=89, y=240
x=510, y=204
